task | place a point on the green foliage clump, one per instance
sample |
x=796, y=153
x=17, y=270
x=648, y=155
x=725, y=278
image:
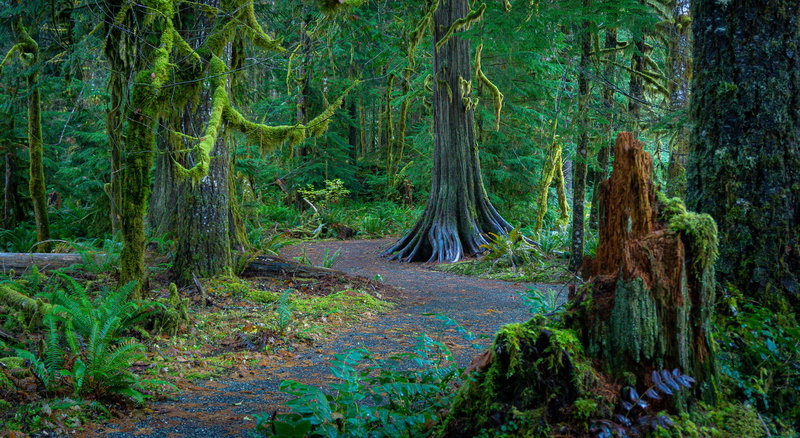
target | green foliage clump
x=85, y=348
x=524, y=381
x=760, y=358
x=387, y=399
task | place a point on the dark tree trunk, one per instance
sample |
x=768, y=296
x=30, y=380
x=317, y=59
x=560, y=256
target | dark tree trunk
x=651, y=287
x=580, y=164
x=745, y=149
x=636, y=83
x=9, y=189
x=458, y=214
x=604, y=154
x=121, y=52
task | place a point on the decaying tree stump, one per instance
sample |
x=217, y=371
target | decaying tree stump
x=645, y=307
x=650, y=290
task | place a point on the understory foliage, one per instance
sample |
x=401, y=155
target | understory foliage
x=85, y=347
x=402, y=395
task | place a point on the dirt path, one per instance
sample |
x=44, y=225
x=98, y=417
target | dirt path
x=218, y=409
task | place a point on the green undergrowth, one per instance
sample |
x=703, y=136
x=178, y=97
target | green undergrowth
x=518, y=258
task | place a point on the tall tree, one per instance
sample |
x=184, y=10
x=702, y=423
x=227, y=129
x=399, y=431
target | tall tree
x=458, y=214
x=580, y=165
x=28, y=50
x=744, y=160
x=679, y=66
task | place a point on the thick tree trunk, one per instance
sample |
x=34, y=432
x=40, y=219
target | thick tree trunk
x=203, y=217
x=651, y=293
x=204, y=241
x=745, y=149
x=458, y=214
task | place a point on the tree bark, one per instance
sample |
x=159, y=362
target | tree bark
x=580, y=165
x=745, y=149
x=458, y=214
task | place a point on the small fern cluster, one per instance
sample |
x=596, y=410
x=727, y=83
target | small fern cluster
x=513, y=250
x=634, y=415
x=85, y=349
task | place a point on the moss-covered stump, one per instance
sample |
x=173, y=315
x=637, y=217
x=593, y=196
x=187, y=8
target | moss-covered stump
x=528, y=384
x=650, y=291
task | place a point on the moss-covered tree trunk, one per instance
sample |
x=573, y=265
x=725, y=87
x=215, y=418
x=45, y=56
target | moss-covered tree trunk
x=203, y=213
x=651, y=288
x=458, y=214
x=745, y=149
x=29, y=54
x=122, y=52
x=646, y=307
x=679, y=67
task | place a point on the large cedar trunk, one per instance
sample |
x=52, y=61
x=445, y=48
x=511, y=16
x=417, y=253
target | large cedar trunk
x=458, y=214
x=745, y=148
x=650, y=293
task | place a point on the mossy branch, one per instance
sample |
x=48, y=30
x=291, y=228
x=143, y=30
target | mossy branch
x=10, y=53
x=267, y=138
x=497, y=96
x=219, y=101
x=318, y=125
x=462, y=24
x=329, y=7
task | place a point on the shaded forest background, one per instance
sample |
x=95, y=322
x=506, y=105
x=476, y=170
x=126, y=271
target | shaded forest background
x=173, y=142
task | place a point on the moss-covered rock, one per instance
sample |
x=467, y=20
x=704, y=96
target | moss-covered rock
x=533, y=379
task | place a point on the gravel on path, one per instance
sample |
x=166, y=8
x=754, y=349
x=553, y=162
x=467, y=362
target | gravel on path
x=221, y=409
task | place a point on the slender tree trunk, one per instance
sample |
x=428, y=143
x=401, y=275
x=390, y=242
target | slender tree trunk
x=679, y=69
x=636, y=83
x=9, y=189
x=36, y=183
x=745, y=148
x=581, y=157
x=122, y=53
x=458, y=213
x=604, y=154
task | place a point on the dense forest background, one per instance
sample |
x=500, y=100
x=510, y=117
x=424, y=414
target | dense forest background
x=175, y=141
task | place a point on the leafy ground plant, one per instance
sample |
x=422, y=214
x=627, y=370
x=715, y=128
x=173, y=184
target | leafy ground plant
x=400, y=396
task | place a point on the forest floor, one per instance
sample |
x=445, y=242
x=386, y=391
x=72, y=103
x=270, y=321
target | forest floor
x=225, y=404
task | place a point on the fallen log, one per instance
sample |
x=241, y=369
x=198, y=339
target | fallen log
x=268, y=266
x=261, y=266
x=20, y=261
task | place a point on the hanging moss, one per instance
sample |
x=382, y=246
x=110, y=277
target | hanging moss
x=544, y=186
x=462, y=24
x=267, y=138
x=701, y=230
x=332, y=6
x=465, y=87
x=497, y=96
